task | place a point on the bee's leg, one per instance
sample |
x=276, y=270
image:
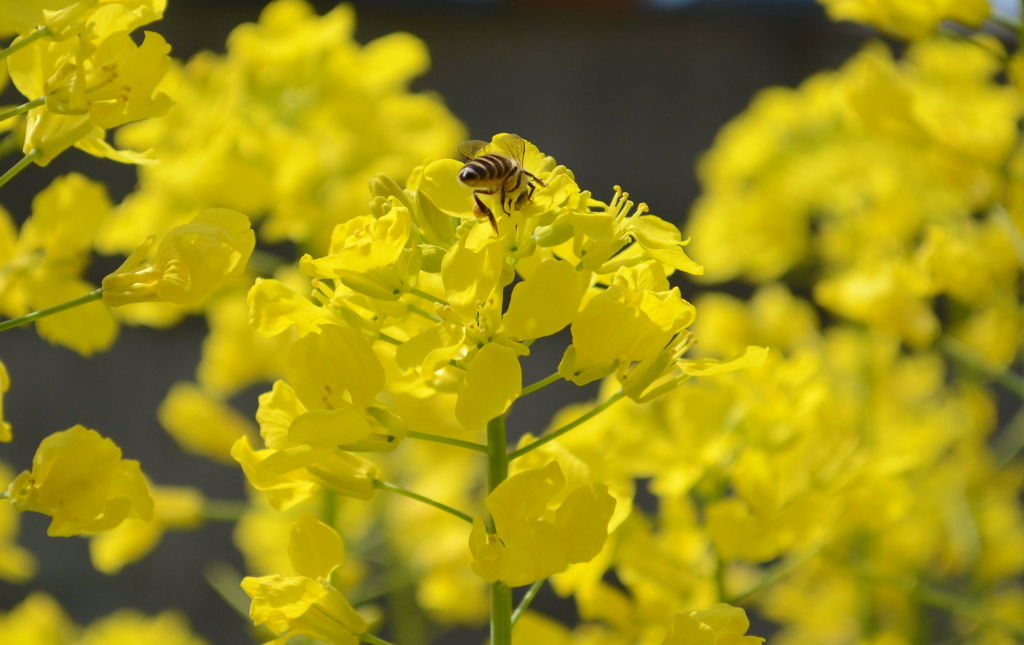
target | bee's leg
x=481, y=210
x=534, y=178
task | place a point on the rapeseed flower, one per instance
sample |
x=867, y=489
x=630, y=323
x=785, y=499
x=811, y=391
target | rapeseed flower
x=79, y=479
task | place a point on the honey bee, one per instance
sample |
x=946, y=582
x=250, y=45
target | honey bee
x=495, y=173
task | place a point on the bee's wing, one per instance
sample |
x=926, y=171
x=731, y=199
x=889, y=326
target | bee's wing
x=470, y=149
x=516, y=147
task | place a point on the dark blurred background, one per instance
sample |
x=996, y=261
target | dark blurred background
x=623, y=93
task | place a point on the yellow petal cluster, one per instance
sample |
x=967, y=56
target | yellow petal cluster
x=79, y=479
x=188, y=264
x=307, y=603
x=89, y=73
x=287, y=126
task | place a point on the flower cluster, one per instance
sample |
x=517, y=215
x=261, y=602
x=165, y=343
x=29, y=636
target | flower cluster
x=828, y=453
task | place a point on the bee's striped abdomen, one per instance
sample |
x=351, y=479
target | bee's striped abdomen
x=488, y=169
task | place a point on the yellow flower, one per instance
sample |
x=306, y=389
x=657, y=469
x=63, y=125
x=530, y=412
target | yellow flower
x=65, y=18
x=190, y=262
x=307, y=603
x=5, y=425
x=908, y=18
x=43, y=266
x=127, y=627
x=540, y=526
x=292, y=475
x=632, y=320
x=79, y=479
x=91, y=82
x=39, y=620
x=720, y=625
x=202, y=424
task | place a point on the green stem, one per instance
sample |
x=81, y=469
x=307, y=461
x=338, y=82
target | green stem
x=43, y=313
x=497, y=472
x=544, y=382
x=389, y=339
x=420, y=312
x=3, y=494
x=436, y=438
x=943, y=599
x=224, y=510
x=596, y=410
x=778, y=573
x=427, y=296
x=329, y=508
x=41, y=32
x=24, y=107
x=398, y=490
x=527, y=600
x=21, y=165
x=373, y=640
x=969, y=358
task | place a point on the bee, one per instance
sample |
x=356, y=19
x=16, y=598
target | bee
x=496, y=173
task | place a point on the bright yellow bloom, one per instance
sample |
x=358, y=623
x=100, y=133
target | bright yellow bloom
x=174, y=508
x=66, y=18
x=632, y=320
x=202, y=424
x=93, y=81
x=240, y=139
x=541, y=526
x=307, y=603
x=79, y=479
x=291, y=476
x=909, y=18
x=189, y=263
x=719, y=625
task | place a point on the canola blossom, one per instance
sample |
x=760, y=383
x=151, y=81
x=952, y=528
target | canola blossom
x=834, y=459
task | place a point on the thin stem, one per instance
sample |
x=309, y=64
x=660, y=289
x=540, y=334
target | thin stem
x=778, y=573
x=466, y=517
x=3, y=494
x=21, y=165
x=497, y=472
x=224, y=510
x=720, y=576
x=524, y=604
x=420, y=312
x=966, y=356
x=427, y=296
x=56, y=309
x=388, y=339
x=41, y=32
x=436, y=438
x=943, y=599
x=373, y=640
x=24, y=107
x=1010, y=441
x=544, y=382
x=596, y=410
